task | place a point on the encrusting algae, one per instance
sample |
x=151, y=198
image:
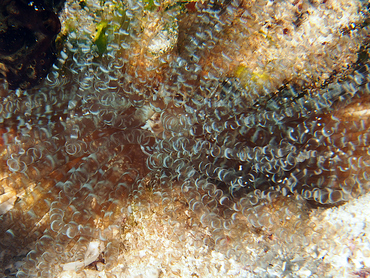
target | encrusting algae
x=188, y=139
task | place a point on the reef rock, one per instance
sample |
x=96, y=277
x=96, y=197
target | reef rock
x=188, y=139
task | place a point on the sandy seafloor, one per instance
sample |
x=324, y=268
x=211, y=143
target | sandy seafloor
x=347, y=253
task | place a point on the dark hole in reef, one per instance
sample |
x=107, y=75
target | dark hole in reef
x=28, y=36
x=31, y=73
x=14, y=39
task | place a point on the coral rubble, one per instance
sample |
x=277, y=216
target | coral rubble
x=202, y=139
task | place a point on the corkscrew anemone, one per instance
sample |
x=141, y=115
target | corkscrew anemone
x=225, y=128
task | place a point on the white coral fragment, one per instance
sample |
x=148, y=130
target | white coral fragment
x=91, y=255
